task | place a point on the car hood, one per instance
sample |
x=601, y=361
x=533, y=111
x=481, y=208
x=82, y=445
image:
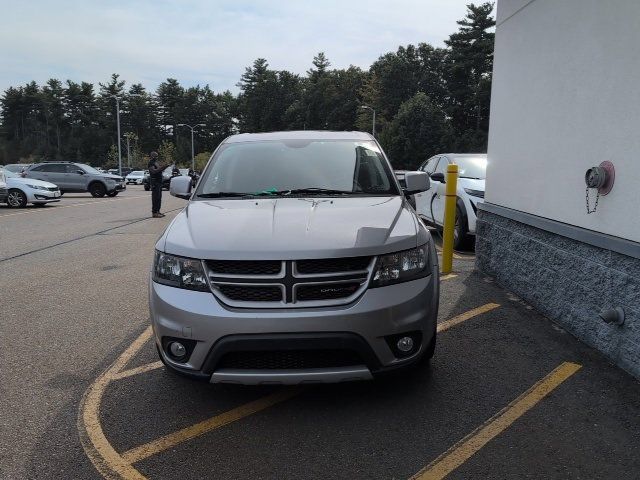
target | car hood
x=291, y=228
x=471, y=183
x=112, y=177
x=30, y=181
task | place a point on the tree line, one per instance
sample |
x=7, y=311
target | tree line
x=426, y=100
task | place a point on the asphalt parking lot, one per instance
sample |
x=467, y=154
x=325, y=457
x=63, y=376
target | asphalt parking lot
x=508, y=394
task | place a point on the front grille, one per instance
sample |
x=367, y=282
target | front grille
x=52, y=189
x=332, y=265
x=289, y=359
x=244, y=267
x=251, y=293
x=291, y=283
x=326, y=291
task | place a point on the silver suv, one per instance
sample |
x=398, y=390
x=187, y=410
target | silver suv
x=77, y=177
x=297, y=259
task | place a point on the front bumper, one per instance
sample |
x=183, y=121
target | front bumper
x=378, y=313
x=43, y=196
x=118, y=187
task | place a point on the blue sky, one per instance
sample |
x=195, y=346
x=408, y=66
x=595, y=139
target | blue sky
x=200, y=42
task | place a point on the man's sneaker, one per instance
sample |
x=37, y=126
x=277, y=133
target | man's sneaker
x=161, y=214
x=157, y=215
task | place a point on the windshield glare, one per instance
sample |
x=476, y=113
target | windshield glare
x=8, y=174
x=356, y=167
x=472, y=167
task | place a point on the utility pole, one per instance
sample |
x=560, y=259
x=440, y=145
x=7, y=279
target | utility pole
x=193, y=158
x=373, y=123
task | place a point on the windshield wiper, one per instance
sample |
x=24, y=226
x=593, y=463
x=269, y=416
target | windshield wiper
x=299, y=191
x=224, y=194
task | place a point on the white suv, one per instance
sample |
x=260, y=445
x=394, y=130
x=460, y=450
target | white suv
x=472, y=168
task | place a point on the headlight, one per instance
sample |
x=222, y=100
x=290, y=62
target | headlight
x=401, y=266
x=37, y=187
x=474, y=193
x=179, y=272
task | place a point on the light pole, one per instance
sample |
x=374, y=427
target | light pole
x=373, y=123
x=193, y=158
x=118, y=123
x=128, y=136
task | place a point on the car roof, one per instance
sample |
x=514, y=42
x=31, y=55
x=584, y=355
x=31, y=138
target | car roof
x=458, y=155
x=298, y=135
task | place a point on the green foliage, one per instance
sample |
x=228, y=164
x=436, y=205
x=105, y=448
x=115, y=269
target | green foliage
x=167, y=152
x=415, y=133
x=201, y=160
x=426, y=99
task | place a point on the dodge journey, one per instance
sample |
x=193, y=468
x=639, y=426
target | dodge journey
x=297, y=259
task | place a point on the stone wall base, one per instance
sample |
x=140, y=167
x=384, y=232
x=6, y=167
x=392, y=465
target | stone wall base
x=568, y=281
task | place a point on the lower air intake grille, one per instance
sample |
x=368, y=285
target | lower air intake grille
x=251, y=293
x=289, y=359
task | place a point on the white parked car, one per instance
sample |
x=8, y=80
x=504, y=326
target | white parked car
x=22, y=191
x=3, y=187
x=472, y=168
x=135, y=177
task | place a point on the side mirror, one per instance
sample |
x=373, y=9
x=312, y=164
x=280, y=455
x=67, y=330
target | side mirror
x=180, y=187
x=416, y=182
x=438, y=177
x=80, y=172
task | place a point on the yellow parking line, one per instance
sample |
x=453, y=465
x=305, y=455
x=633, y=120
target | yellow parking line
x=468, y=446
x=51, y=209
x=114, y=465
x=466, y=316
x=449, y=276
x=101, y=453
x=163, y=443
x=135, y=371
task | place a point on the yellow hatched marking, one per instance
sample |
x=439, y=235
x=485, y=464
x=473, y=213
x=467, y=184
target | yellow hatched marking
x=469, y=445
x=466, y=316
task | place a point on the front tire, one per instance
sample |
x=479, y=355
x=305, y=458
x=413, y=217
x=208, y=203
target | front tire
x=460, y=230
x=16, y=198
x=97, y=190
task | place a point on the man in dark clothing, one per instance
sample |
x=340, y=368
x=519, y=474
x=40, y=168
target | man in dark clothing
x=155, y=181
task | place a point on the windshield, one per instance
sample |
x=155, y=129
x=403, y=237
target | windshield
x=9, y=174
x=472, y=167
x=137, y=173
x=89, y=169
x=278, y=167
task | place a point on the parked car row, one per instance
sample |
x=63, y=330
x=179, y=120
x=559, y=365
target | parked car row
x=169, y=173
x=18, y=191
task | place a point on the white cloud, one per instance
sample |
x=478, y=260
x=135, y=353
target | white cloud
x=200, y=41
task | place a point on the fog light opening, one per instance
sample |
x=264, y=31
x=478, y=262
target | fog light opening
x=405, y=344
x=177, y=350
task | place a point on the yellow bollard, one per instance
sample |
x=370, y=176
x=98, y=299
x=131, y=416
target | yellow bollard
x=449, y=217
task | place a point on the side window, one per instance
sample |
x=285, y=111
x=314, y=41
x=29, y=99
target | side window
x=55, y=168
x=39, y=168
x=71, y=168
x=431, y=165
x=442, y=165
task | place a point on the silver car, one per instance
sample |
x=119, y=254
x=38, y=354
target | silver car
x=297, y=259
x=77, y=177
